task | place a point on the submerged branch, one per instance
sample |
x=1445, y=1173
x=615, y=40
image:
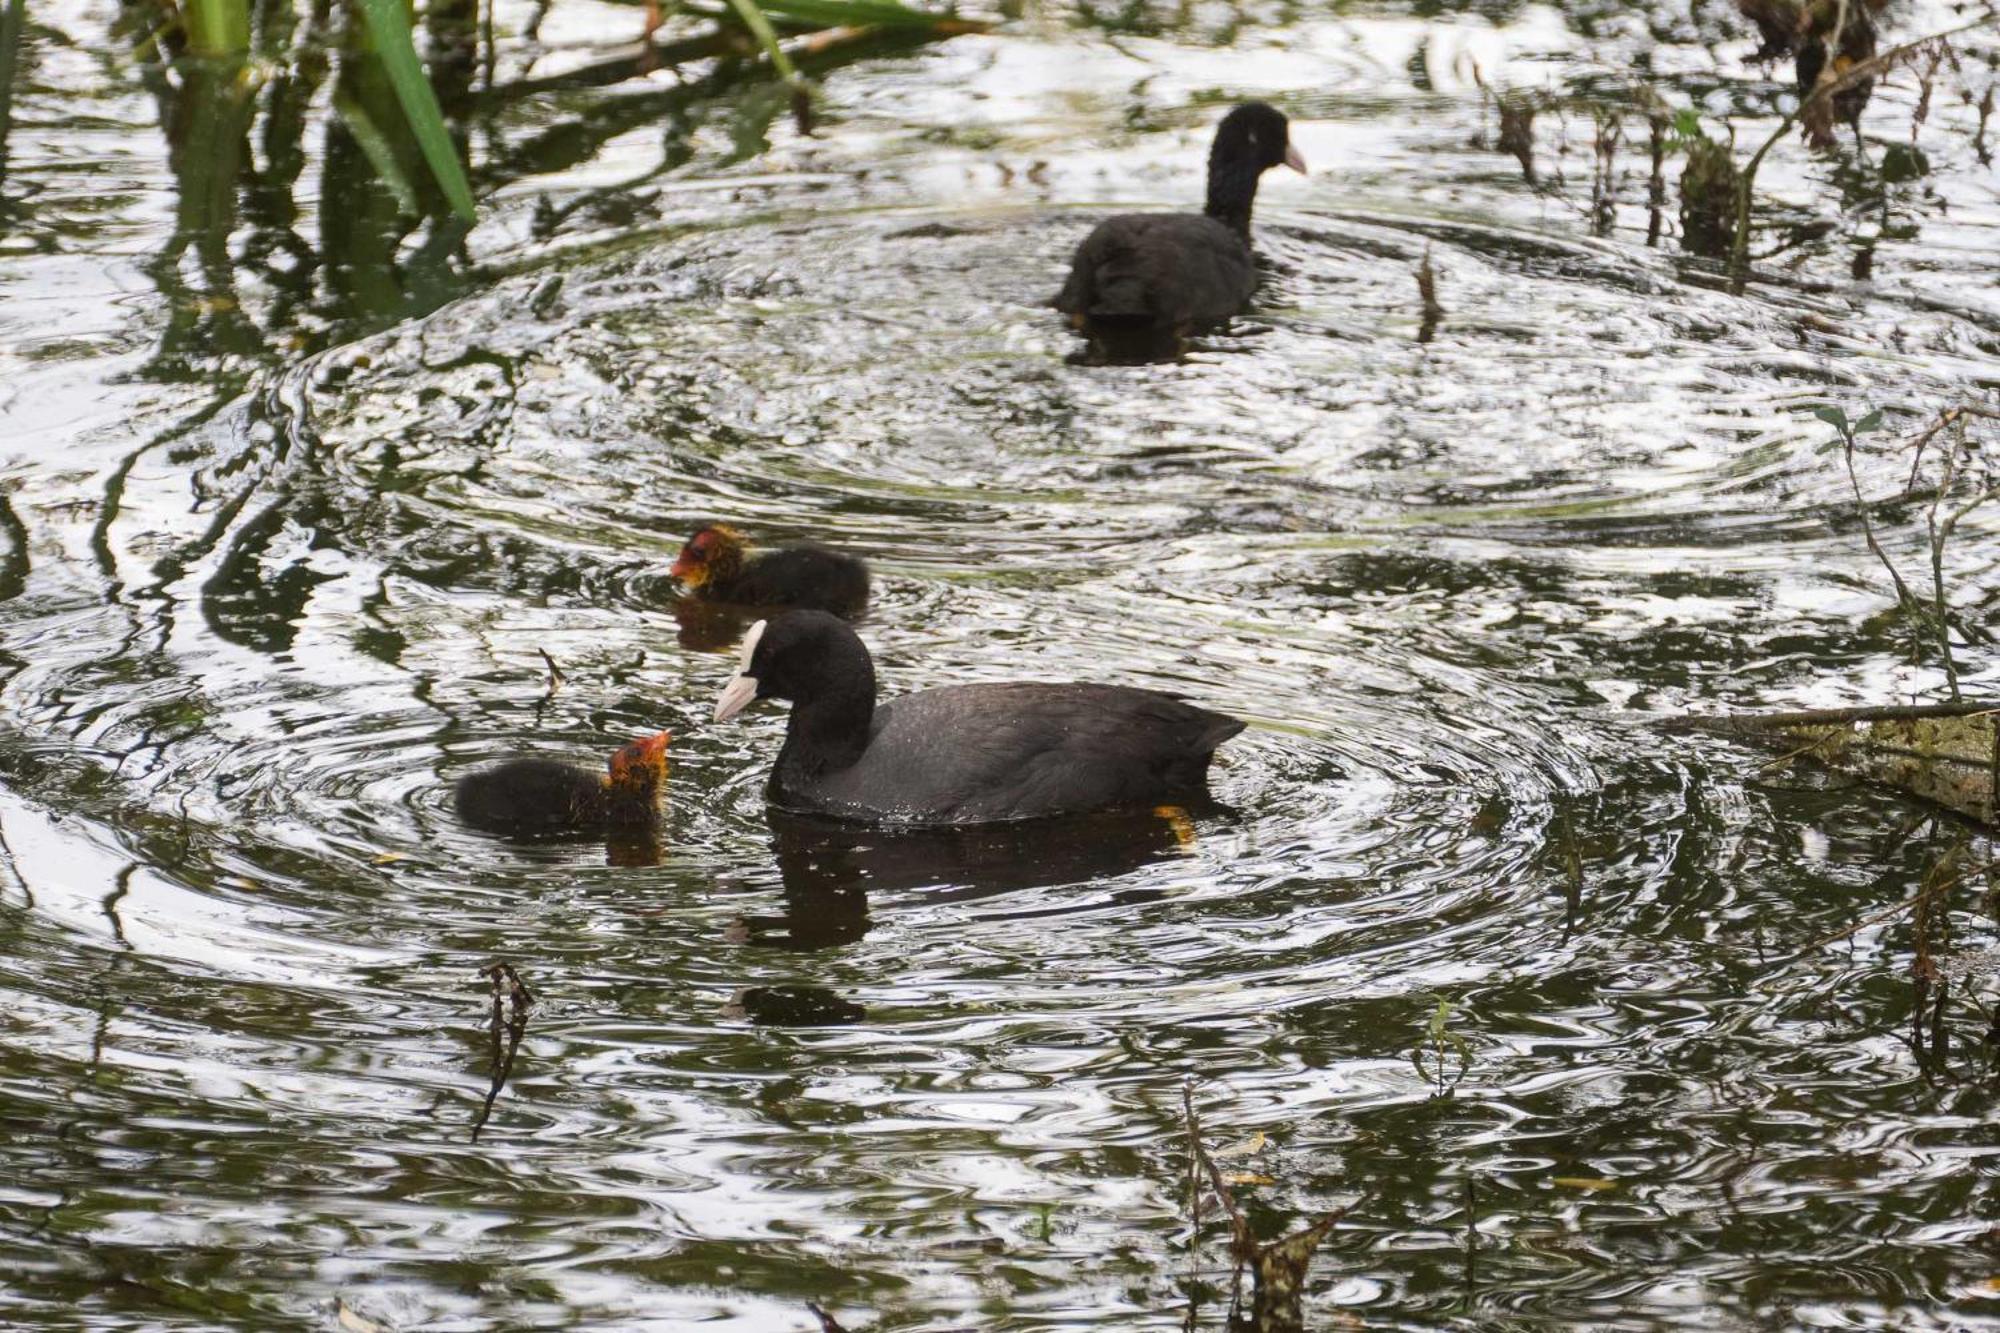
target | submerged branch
x=509, y=986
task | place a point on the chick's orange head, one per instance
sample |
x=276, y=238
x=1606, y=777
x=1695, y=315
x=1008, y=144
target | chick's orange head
x=710, y=547
x=642, y=763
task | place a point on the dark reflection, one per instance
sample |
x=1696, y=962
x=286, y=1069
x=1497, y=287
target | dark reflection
x=711, y=627
x=829, y=868
x=631, y=845
x=643, y=846
x=794, y=1007
x=13, y=21
x=1137, y=346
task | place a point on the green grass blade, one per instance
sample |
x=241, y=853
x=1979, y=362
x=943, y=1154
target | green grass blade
x=11, y=24
x=216, y=29
x=767, y=36
x=865, y=13
x=381, y=154
x=389, y=30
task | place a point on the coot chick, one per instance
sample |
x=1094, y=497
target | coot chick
x=964, y=754
x=1160, y=275
x=717, y=565
x=1803, y=31
x=530, y=797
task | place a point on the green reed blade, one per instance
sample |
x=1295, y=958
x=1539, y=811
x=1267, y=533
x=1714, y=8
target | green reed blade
x=767, y=36
x=11, y=24
x=389, y=30
x=381, y=154
x=865, y=13
x=217, y=28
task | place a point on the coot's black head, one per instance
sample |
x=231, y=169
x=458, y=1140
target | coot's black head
x=1258, y=135
x=714, y=553
x=1251, y=140
x=804, y=656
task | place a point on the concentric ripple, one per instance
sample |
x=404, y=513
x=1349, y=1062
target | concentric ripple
x=1472, y=946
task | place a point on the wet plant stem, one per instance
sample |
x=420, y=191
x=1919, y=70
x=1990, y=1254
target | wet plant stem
x=1822, y=94
x=1907, y=600
x=12, y=22
x=1929, y=888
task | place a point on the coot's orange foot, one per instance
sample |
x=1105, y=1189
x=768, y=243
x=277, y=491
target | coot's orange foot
x=1180, y=822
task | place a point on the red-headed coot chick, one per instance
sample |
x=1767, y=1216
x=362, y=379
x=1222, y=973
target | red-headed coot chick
x=529, y=797
x=965, y=754
x=1163, y=274
x=717, y=565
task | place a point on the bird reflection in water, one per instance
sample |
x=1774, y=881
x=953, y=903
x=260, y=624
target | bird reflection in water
x=711, y=627
x=829, y=868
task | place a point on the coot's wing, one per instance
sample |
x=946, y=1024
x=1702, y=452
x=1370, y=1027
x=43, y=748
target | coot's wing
x=1016, y=751
x=1163, y=268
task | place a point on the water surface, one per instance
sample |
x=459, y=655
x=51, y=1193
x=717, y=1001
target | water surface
x=281, y=567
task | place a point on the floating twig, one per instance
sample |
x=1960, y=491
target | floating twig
x=507, y=985
x=1427, y=292
x=827, y=1323
x=556, y=678
x=1277, y=1270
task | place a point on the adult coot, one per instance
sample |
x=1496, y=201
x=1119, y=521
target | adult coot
x=527, y=797
x=967, y=754
x=1160, y=275
x=717, y=565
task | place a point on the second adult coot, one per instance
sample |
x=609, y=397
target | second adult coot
x=964, y=754
x=1165, y=274
x=718, y=565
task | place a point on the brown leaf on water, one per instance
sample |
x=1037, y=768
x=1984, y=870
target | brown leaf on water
x=387, y=858
x=1592, y=1183
x=1255, y=1143
x=356, y=1323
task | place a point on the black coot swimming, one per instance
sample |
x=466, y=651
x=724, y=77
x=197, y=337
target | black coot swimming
x=965, y=754
x=717, y=565
x=530, y=797
x=1160, y=275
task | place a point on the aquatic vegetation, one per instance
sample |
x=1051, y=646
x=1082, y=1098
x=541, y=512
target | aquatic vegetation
x=1710, y=192
x=1962, y=479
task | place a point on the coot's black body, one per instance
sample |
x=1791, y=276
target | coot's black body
x=716, y=565
x=539, y=797
x=965, y=754
x=1168, y=273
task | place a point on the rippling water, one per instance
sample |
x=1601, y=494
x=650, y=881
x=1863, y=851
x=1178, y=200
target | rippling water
x=251, y=637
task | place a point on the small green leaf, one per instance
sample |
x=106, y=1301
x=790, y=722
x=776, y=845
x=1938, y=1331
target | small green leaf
x=1832, y=416
x=1869, y=422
